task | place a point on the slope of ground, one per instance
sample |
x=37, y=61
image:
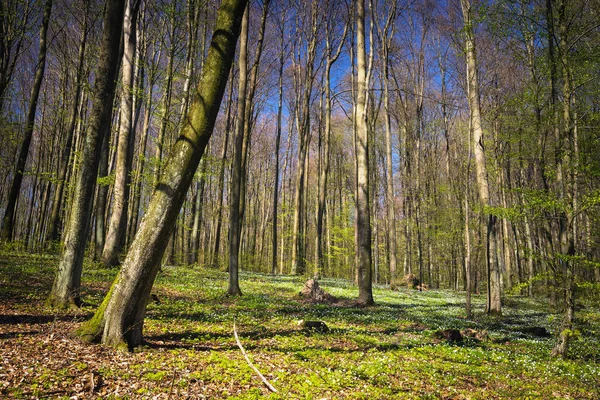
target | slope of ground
x=391, y=350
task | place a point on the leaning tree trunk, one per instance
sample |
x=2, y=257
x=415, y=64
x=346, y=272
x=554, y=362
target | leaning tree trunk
x=494, y=305
x=121, y=316
x=115, y=236
x=65, y=291
x=8, y=221
x=365, y=292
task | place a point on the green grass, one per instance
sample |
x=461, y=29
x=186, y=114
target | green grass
x=385, y=351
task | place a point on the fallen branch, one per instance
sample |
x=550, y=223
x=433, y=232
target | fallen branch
x=92, y=384
x=265, y=381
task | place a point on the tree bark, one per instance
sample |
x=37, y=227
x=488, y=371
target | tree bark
x=365, y=293
x=122, y=320
x=8, y=221
x=197, y=214
x=277, y=145
x=102, y=194
x=117, y=225
x=236, y=173
x=221, y=191
x=494, y=305
x=65, y=291
x=54, y=229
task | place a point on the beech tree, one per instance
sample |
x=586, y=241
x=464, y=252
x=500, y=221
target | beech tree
x=119, y=319
x=463, y=145
x=363, y=216
x=237, y=168
x=117, y=225
x=65, y=290
x=8, y=220
x=56, y=217
x=494, y=303
x=304, y=77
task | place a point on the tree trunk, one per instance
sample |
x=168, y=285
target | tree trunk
x=13, y=33
x=390, y=196
x=365, y=293
x=117, y=225
x=197, y=216
x=324, y=173
x=302, y=115
x=566, y=220
x=236, y=173
x=65, y=291
x=53, y=234
x=221, y=192
x=140, y=164
x=102, y=195
x=467, y=256
x=166, y=107
x=494, y=305
x=277, y=145
x=8, y=221
x=122, y=320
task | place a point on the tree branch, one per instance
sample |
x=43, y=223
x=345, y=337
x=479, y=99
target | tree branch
x=265, y=381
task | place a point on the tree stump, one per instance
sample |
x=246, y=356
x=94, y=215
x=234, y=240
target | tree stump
x=314, y=326
x=412, y=281
x=451, y=335
x=313, y=292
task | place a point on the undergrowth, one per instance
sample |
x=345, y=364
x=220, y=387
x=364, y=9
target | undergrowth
x=389, y=350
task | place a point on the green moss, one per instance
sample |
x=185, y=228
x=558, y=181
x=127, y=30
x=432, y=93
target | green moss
x=91, y=330
x=60, y=304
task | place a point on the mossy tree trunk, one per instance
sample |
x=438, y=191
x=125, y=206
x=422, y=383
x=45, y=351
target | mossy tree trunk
x=65, y=291
x=121, y=322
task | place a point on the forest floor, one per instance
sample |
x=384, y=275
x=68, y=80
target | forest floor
x=390, y=350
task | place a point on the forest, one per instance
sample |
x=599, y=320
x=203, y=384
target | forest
x=355, y=198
